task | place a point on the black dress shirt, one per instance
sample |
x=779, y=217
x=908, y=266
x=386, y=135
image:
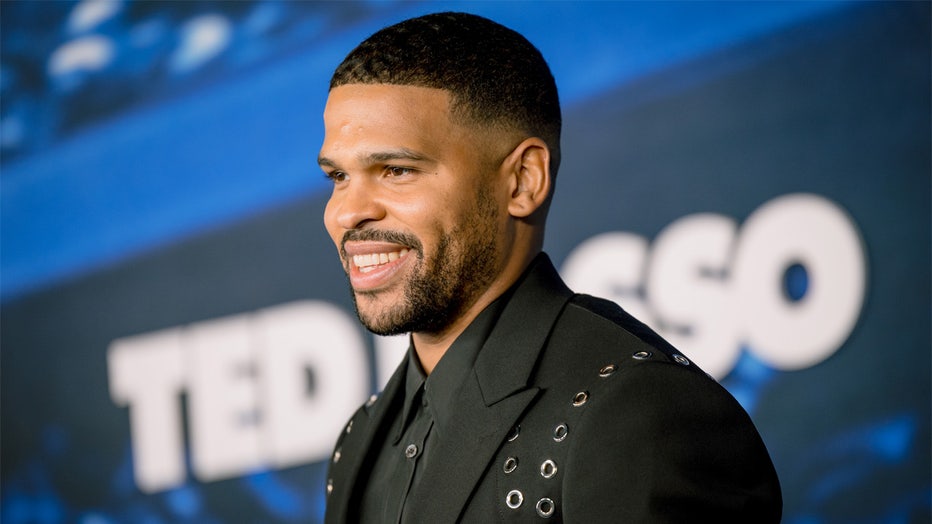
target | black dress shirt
x=409, y=430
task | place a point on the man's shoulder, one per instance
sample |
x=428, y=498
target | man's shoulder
x=595, y=339
x=601, y=356
x=600, y=325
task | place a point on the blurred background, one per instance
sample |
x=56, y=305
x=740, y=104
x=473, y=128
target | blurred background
x=178, y=344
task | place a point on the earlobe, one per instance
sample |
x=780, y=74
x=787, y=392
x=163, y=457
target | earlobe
x=529, y=170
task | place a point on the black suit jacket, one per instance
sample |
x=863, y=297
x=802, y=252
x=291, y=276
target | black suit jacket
x=574, y=412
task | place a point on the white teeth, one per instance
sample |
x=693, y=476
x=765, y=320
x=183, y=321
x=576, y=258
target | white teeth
x=368, y=262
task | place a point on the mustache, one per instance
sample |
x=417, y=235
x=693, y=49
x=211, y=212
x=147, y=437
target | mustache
x=379, y=235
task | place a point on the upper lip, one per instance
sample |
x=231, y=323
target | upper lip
x=353, y=248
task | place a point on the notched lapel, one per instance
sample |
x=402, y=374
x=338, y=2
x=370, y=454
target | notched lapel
x=508, y=358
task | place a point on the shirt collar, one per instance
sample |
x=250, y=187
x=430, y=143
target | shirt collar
x=414, y=381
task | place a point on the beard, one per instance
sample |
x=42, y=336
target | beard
x=442, y=287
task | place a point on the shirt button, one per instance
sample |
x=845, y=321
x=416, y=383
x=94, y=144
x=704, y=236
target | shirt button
x=411, y=451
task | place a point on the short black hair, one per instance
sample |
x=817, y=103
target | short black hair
x=495, y=76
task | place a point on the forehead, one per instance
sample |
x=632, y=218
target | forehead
x=343, y=99
x=375, y=115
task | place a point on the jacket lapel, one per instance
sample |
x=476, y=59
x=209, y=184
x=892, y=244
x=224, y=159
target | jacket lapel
x=464, y=448
x=491, y=399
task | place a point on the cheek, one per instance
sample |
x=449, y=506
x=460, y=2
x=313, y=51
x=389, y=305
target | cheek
x=429, y=223
x=420, y=214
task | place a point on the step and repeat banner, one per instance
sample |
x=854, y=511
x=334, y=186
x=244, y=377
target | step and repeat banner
x=178, y=342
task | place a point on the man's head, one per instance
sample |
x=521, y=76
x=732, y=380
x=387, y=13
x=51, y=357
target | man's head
x=497, y=79
x=440, y=138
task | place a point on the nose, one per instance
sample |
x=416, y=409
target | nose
x=355, y=204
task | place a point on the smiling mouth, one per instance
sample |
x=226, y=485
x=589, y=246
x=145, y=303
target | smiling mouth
x=371, y=261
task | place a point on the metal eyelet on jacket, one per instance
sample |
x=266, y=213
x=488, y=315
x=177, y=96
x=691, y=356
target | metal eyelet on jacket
x=545, y=507
x=680, y=359
x=548, y=469
x=514, y=499
x=513, y=433
x=511, y=464
x=560, y=432
x=580, y=398
x=607, y=371
x=642, y=355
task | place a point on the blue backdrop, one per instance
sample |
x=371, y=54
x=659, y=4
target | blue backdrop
x=178, y=345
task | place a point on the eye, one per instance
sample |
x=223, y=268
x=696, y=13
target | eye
x=336, y=176
x=397, y=171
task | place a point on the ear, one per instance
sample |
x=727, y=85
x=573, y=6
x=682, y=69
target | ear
x=528, y=172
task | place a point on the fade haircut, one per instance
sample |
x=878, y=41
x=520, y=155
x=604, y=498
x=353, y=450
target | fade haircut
x=496, y=78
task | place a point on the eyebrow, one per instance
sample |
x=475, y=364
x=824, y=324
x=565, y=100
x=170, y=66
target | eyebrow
x=401, y=153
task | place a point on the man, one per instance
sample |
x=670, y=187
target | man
x=518, y=400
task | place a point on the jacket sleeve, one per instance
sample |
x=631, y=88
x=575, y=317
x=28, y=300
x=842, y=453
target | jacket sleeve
x=664, y=443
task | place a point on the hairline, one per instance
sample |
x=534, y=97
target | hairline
x=461, y=111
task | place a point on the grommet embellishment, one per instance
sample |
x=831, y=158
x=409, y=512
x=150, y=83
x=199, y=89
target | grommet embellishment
x=511, y=464
x=336, y=456
x=580, y=398
x=411, y=451
x=548, y=469
x=371, y=401
x=559, y=432
x=680, y=359
x=514, y=499
x=607, y=370
x=349, y=427
x=329, y=486
x=642, y=355
x=513, y=433
x=545, y=507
